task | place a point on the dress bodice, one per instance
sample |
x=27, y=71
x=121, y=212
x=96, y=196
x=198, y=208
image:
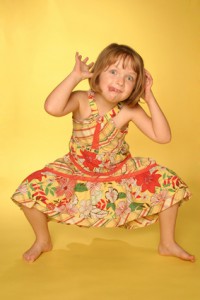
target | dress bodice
x=96, y=143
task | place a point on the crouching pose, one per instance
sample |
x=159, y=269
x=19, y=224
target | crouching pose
x=99, y=183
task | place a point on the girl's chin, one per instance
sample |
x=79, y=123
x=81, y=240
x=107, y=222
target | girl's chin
x=112, y=97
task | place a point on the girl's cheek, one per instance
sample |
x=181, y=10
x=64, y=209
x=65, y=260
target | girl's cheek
x=131, y=85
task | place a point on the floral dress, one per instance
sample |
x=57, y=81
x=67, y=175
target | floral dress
x=98, y=183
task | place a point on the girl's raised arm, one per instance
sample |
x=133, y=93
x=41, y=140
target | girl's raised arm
x=156, y=125
x=62, y=100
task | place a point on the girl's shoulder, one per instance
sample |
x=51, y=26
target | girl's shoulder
x=79, y=95
x=130, y=113
x=83, y=104
x=130, y=110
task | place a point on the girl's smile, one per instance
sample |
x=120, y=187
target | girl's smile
x=112, y=89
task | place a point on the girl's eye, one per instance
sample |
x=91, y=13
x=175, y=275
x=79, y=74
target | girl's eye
x=129, y=78
x=114, y=72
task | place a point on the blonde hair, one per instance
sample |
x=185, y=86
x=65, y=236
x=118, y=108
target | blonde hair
x=108, y=57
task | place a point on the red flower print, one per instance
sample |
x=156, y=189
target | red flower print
x=50, y=206
x=174, y=181
x=66, y=187
x=39, y=194
x=90, y=159
x=148, y=181
x=101, y=204
x=36, y=175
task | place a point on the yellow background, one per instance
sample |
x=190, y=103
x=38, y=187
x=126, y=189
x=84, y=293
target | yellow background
x=38, y=40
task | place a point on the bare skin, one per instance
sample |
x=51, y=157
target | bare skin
x=42, y=243
x=168, y=245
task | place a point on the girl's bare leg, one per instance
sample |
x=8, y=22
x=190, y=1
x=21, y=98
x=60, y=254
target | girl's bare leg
x=42, y=243
x=167, y=245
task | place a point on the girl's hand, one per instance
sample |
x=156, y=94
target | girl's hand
x=147, y=89
x=81, y=68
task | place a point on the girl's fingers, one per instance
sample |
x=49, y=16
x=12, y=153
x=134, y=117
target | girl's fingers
x=83, y=63
x=90, y=75
x=78, y=56
x=147, y=74
x=85, y=60
x=146, y=71
x=149, y=78
x=90, y=65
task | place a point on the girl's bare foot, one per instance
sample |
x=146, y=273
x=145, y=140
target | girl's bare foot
x=36, y=250
x=174, y=249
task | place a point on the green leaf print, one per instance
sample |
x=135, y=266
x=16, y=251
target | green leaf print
x=112, y=205
x=121, y=195
x=31, y=187
x=46, y=191
x=48, y=185
x=170, y=171
x=52, y=192
x=81, y=187
x=136, y=206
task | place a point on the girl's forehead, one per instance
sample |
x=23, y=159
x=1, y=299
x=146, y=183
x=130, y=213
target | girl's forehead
x=125, y=62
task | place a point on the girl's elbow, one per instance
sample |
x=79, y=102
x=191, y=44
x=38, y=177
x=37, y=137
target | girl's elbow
x=49, y=108
x=165, y=140
x=168, y=138
x=46, y=107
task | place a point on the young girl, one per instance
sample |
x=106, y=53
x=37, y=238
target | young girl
x=98, y=183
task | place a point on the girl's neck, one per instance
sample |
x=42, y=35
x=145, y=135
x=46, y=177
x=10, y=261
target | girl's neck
x=103, y=105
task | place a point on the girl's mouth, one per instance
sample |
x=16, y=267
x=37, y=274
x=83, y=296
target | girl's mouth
x=112, y=89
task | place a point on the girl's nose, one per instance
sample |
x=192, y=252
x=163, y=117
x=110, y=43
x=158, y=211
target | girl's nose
x=120, y=81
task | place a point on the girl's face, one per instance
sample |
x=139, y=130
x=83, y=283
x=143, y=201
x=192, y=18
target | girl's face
x=117, y=81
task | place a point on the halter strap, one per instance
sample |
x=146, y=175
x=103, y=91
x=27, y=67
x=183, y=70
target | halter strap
x=92, y=103
x=94, y=109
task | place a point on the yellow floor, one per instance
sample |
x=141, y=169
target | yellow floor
x=98, y=263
